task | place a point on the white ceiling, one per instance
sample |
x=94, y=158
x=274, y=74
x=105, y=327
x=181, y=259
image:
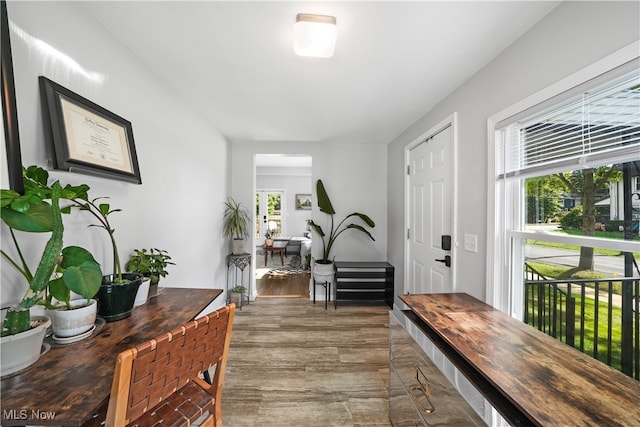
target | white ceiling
x=394, y=61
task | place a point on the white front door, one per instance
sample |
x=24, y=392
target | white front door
x=270, y=214
x=430, y=214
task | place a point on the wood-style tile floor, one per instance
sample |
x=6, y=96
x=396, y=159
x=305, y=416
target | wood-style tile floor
x=283, y=285
x=291, y=363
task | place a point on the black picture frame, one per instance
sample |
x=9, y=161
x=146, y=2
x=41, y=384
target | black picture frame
x=9, y=108
x=85, y=137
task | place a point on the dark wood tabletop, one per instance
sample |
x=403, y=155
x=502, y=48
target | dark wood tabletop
x=70, y=382
x=546, y=381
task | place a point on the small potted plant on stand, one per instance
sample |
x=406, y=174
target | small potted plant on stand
x=323, y=270
x=60, y=270
x=152, y=264
x=235, y=224
x=117, y=294
x=237, y=295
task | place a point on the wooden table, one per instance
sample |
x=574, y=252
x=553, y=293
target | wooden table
x=277, y=247
x=70, y=382
x=530, y=377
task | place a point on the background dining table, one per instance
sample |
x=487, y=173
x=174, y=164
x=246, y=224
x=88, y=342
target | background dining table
x=70, y=382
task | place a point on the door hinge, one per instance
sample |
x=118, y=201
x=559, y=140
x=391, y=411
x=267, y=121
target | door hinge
x=408, y=169
x=408, y=233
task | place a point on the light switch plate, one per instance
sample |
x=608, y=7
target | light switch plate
x=471, y=243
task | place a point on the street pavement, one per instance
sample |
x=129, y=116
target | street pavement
x=610, y=265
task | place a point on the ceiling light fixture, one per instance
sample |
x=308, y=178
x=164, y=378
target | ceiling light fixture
x=314, y=35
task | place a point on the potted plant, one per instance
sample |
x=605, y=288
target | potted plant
x=235, y=225
x=237, y=295
x=152, y=264
x=117, y=294
x=60, y=270
x=268, y=241
x=323, y=269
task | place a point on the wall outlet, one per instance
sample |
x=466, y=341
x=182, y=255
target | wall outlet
x=471, y=243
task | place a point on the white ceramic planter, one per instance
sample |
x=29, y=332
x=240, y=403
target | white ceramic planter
x=238, y=246
x=22, y=350
x=143, y=292
x=68, y=323
x=321, y=273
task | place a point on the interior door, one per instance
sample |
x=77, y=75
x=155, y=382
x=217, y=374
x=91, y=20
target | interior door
x=430, y=214
x=269, y=214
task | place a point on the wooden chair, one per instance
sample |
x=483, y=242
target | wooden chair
x=158, y=382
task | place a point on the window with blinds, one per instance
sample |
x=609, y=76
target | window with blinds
x=601, y=126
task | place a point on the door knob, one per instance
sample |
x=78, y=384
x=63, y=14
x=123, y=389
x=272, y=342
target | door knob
x=446, y=261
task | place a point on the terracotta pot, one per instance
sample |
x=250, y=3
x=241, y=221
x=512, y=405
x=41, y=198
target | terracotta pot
x=268, y=242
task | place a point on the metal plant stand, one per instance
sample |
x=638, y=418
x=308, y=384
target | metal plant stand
x=240, y=262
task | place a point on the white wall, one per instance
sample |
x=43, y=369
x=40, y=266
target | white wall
x=355, y=177
x=293, y=181
x=572, y=36
x=183, y=159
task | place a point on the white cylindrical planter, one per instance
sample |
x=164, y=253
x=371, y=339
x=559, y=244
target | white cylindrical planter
x=68, y=323
x=322, y=273
x=22, y=350
x=143, y=292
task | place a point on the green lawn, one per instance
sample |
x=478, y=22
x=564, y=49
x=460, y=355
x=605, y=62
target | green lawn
x=590, y=335
x=601, y=234
x=555, y=272
x=592, y=307
x=597, y=251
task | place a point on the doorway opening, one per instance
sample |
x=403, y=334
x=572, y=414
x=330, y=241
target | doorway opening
x=280, y=267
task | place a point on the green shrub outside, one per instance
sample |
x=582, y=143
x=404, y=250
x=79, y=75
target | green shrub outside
x=572, y=219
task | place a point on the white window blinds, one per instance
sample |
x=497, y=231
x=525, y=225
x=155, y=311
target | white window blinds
x=600, y=127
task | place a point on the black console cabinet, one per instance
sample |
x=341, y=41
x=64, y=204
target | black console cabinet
x=364, y=282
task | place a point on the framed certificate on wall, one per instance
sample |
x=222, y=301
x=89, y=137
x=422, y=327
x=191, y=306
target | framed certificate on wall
x=87, y=138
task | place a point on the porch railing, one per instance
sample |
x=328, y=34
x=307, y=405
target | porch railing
x=599, y=317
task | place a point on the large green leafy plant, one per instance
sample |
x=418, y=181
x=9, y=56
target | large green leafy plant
x=60, y=270
x=328, y=240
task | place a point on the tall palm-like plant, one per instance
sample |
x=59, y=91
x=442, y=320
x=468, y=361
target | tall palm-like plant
x=236, y=225
x=328, y=240
x=236, y=220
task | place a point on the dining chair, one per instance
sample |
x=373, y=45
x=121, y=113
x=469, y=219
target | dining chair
x=158, y=382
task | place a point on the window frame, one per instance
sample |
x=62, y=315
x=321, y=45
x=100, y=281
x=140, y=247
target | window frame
x=503, y=243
